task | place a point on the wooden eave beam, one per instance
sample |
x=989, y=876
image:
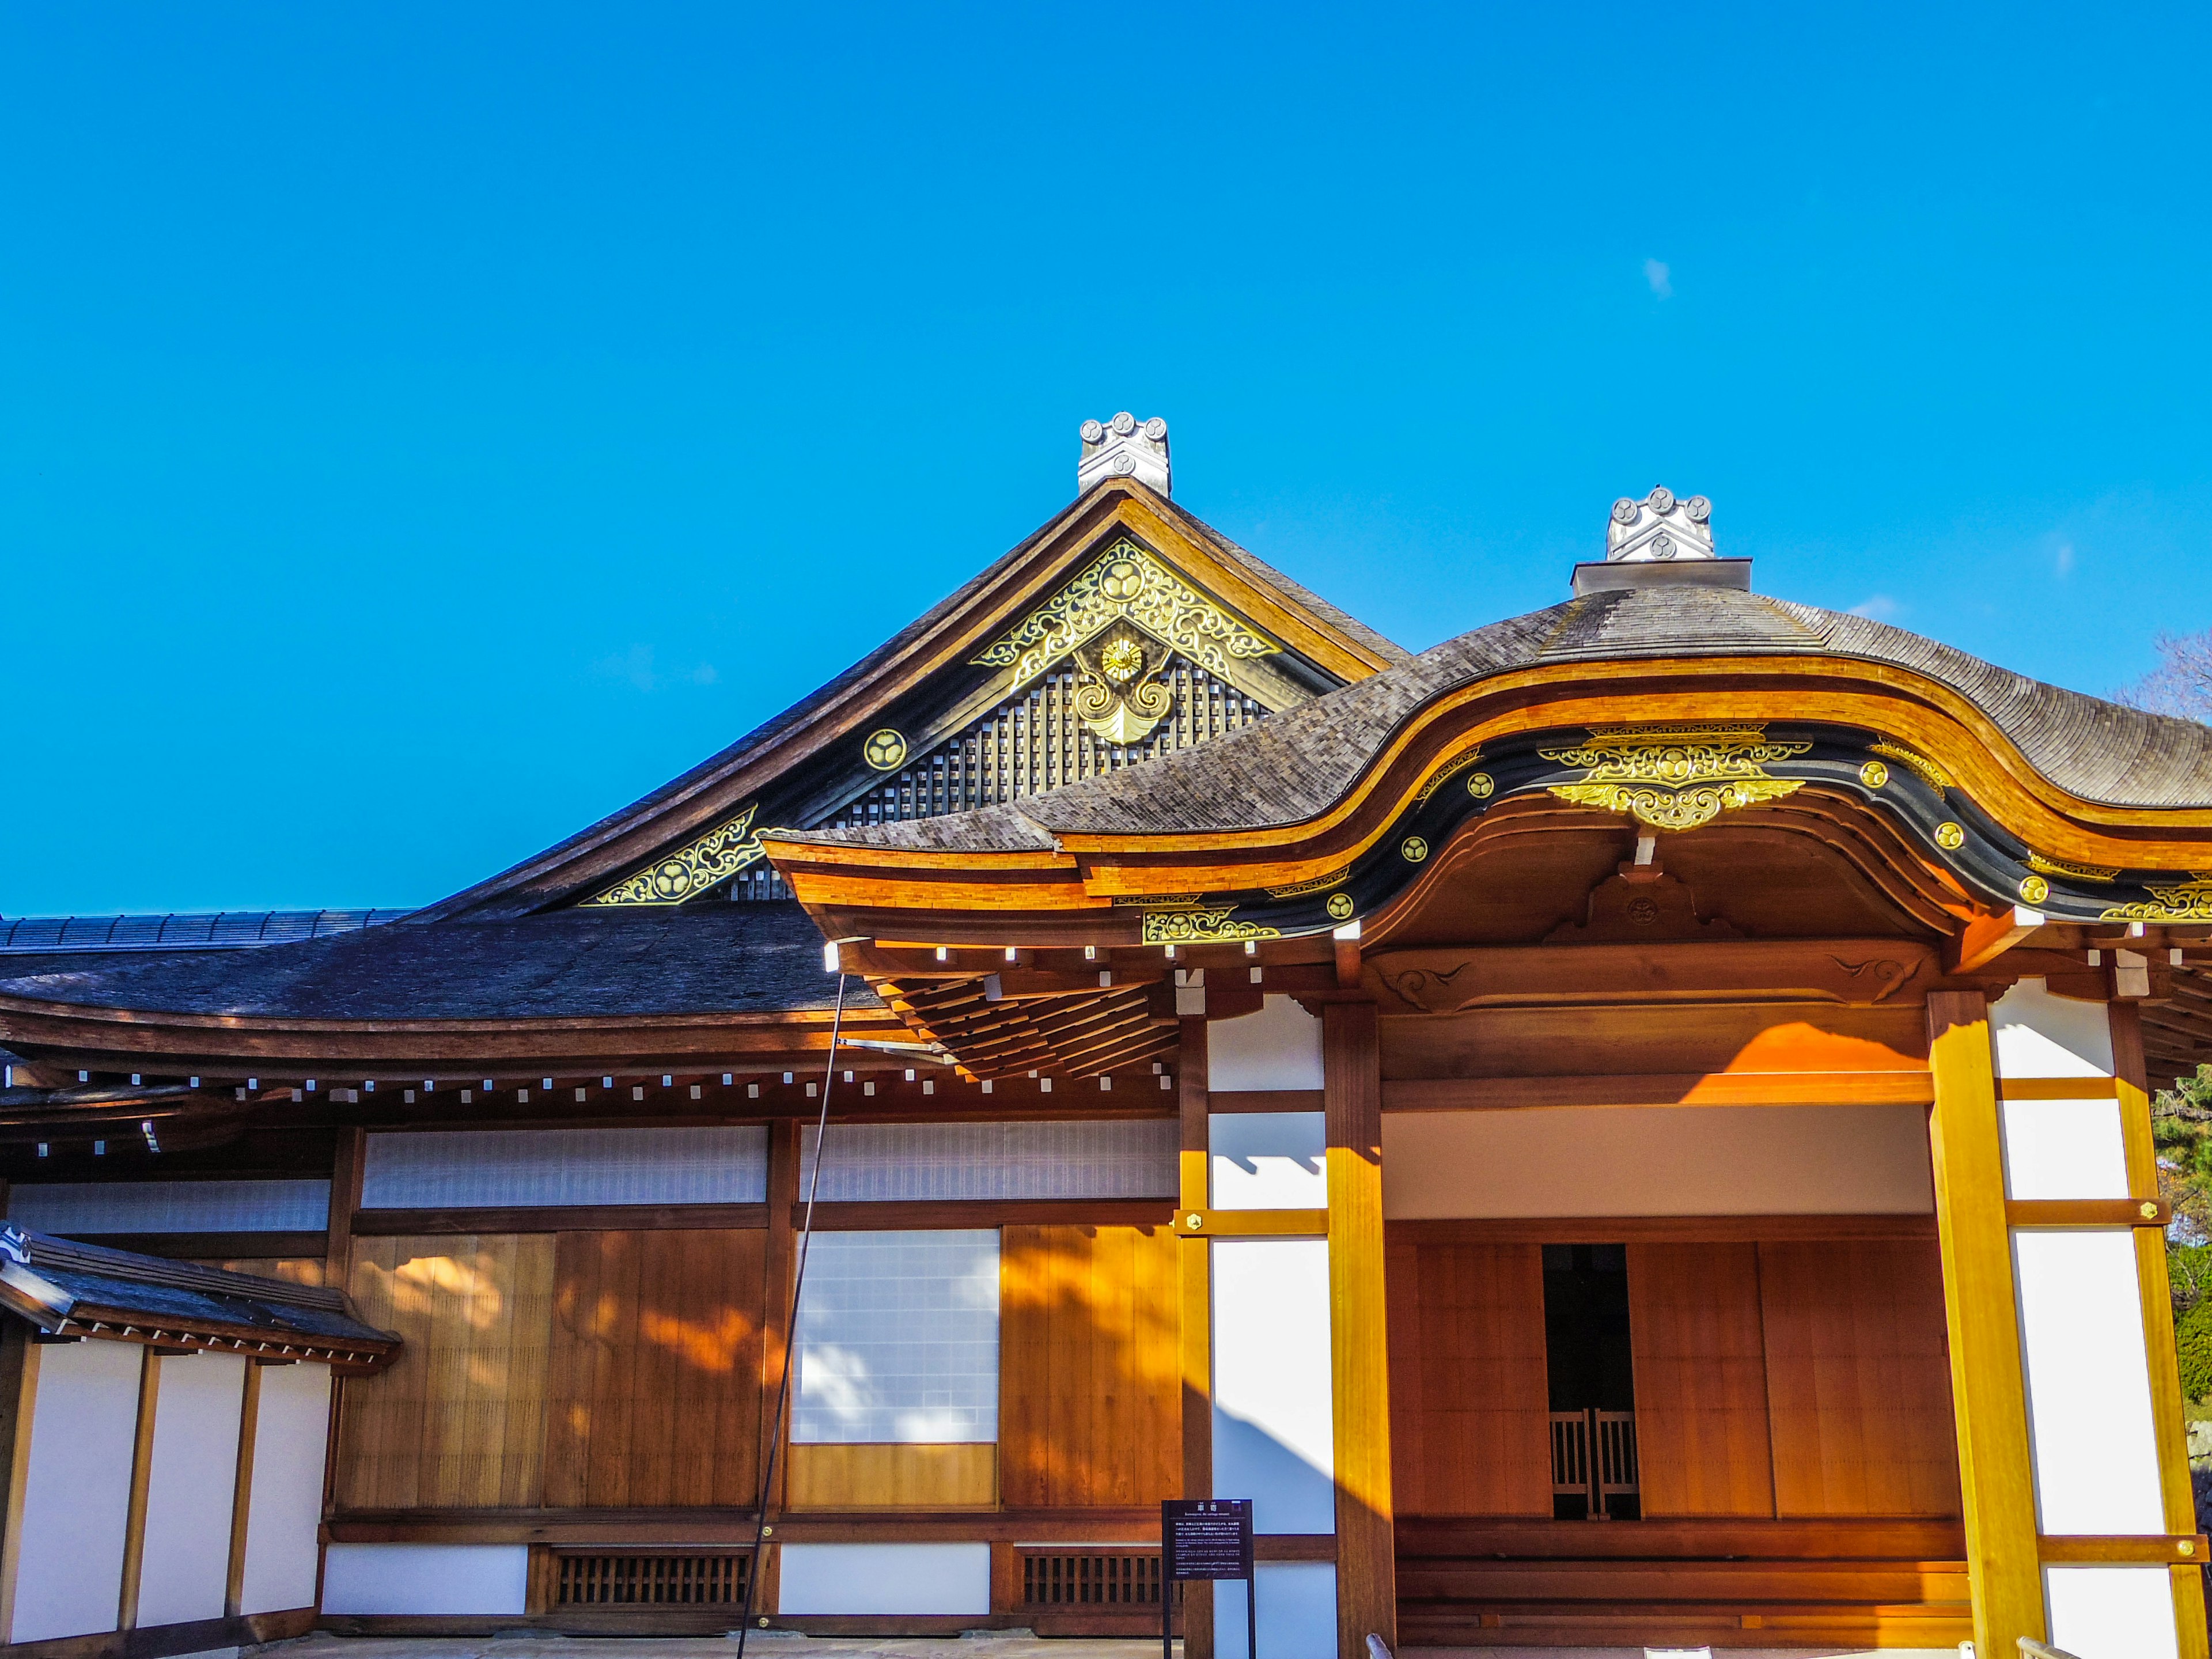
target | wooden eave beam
x=1988, y=936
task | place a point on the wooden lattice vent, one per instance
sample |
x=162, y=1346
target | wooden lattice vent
x=614, y=1578
x=1091, y=1579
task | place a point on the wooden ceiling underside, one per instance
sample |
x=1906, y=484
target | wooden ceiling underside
x=1069, y=1033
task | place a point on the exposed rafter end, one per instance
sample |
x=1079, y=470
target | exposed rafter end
x=1987, y=937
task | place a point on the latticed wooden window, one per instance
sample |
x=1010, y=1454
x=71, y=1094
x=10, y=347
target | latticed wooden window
x=600, y=1579
x=1065, y=1578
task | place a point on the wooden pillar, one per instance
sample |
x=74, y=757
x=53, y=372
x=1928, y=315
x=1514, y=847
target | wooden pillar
x=19, y=1393
x=1195, y=1262
x=1987, y=1395
x=782, y=1265
x=348, y=1169
x=142, y=1475
x=2133, y=1076
x=1360, y=1351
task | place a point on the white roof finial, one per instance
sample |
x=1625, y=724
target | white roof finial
x=1659, y=527
x=1124, y=447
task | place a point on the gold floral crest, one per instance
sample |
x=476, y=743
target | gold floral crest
x=1675, y=777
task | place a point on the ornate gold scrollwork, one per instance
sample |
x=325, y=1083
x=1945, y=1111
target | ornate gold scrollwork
x=1313, y=884
x=1202, y=928
x=1457, y=763
x=1125, y=583
x=714, y=858
x=1118, y=695
x=2094, y=872
x=1675, y=777
x=2181, y=901
x=1930, y=774
x=1160, y=900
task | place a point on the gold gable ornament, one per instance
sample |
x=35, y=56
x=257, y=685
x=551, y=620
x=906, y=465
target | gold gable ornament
x=706, y=862
x=1125, y=584
x=1675, y=777
x=1202, y=928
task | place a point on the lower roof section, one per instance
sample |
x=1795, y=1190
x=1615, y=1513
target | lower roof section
x=689, y=960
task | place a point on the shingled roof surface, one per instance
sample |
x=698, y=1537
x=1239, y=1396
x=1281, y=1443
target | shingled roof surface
x=708, y=958
x=1295, y=765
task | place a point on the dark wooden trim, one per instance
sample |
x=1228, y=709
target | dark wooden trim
x=241, y=1490
x=568, y=1218
x=348, y=1169
x=19, y=1391
x=642, y=1529
x=852, y=1217
x=778, y=1268
x=212, y=1247
x=1660, y=1230
x=1267, y=1100
x=1487, y=1094
x=1825, y=1538
x=2186, y=1550
x=142, y=1475
x=2087, y=1212
x=163, y=1641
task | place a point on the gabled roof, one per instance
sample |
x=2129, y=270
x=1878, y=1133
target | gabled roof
x=1293, y=768
x=1340, y=648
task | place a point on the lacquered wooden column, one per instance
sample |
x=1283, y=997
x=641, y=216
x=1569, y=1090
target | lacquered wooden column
x=784, y=1146
x=1360, y=1351
x=1194, y=1262
x=2132, y=1075
x=1987, y=1397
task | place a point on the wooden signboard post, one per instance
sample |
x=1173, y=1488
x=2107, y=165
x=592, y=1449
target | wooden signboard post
x=1207, y=1538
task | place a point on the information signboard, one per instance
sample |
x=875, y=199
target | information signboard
x=1206, y=1538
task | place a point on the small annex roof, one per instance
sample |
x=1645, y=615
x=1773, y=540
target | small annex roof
x=845, y=705
x=696, y=960
x=87, y=1291
x=1294, y=767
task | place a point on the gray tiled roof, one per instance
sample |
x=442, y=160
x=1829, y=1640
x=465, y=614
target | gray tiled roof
x=1295, y=765
x=199, y=930
x=705, y=959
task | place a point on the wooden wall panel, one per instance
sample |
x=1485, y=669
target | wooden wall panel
x=458, y=1421
x=1858, y=1379
x=1468, y=1431
x=653, y=1391
x=1090, y=1391
x=292, y=1269
x=1701, y=1425
x=949, y=1476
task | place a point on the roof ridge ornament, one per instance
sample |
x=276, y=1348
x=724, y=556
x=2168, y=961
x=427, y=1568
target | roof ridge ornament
x=1660, y=526
x=1124, y=447
x=1662, y=540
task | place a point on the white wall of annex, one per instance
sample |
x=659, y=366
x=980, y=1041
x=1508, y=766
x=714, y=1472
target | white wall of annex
x=1273, y=1435
x=189, y=1486
x=1657, y=1160
x=76, y=1491
x=426, y=1578
x=907, y=1580
x=1269, y=1160
x=1277, y=1048
x=290, y=1436
x=1296, y=1604
x=2112, y=1612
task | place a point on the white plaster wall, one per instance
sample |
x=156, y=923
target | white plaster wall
x=1657, y=1160
x=2038, y=1035
x=2063, y=1149
x=415, y=1578
x=1297, y=1602
x=189, y=1488
x=1277, y=1048
x=290, y=1436
x=2112, y=1612
x=1269, y=1160
x=2088, y=1383
x=76, y=1491
x=1274, y=1436
x=899, y=1579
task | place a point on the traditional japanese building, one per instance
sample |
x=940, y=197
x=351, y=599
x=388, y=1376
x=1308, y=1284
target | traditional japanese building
x=1631, y=1125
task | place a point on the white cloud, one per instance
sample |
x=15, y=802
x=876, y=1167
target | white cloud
x=2063, y=559
x=1878, y=607
x=1656, y=274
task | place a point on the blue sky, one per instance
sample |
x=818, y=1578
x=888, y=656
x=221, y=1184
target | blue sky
x=427, y=428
